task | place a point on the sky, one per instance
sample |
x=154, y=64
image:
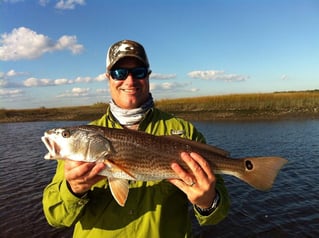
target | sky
x=52, y=52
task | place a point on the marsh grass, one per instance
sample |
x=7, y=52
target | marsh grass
x=291, y=101
x=49, y=114
x=225, y=107
x=245, y=106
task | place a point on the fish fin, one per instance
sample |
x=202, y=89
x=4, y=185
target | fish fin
x=261, y=172
x=118, y=168
x=119, y=189
x=104, y=173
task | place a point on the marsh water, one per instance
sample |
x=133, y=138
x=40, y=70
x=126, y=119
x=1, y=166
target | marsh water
x=290, y=209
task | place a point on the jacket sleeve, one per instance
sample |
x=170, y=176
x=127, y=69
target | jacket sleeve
x=61, y=208
x=222, y=209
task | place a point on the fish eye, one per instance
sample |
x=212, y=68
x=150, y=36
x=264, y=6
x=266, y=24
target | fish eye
x=65, y=134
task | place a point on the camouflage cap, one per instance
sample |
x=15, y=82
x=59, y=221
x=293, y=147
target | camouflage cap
x=125, y=48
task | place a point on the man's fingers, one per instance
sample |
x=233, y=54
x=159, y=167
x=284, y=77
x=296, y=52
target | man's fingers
x=203, y=164
x=182, y=174
x=81, y=176
x=75, y=170
x=195, y=168
x=93, y=173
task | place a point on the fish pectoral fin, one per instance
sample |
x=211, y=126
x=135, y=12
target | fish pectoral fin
x=119, y=189
x=115, y=168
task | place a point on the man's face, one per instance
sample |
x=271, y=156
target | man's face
x=129, y=93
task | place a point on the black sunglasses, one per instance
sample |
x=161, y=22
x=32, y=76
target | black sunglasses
x=137, y=73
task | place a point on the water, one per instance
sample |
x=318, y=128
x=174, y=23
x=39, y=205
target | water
x=290, y=209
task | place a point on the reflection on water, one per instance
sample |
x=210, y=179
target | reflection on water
x=290, y=209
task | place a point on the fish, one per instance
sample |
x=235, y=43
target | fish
x=139, y=156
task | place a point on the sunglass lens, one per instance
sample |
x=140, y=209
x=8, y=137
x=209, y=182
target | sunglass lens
x=119, y=74
x=139, y=73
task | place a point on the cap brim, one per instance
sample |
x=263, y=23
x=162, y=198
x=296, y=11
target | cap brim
x=110, y=66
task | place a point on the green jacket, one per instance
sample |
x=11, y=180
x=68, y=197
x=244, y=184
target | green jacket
x=153, y=209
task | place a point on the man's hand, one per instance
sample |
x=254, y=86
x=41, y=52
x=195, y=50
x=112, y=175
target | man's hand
x=81, y=176
x=199, y=184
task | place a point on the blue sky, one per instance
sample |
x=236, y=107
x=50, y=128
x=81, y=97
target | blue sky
x=52, y=52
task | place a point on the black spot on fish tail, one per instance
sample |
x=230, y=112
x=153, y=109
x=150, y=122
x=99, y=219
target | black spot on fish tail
x=249, y=165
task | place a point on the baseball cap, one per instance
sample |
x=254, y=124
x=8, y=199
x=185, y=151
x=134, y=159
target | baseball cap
x=125, y=48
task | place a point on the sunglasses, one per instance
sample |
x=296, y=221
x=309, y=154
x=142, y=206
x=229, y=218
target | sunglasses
x=121, y=74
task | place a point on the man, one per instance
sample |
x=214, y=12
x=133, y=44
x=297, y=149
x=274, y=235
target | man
x=79, y=196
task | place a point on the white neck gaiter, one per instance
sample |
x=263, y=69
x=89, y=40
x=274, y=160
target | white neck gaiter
x=128, y=117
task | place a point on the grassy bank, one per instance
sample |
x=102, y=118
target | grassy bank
x=303, y=104
x=246, y=106
x=53, y=114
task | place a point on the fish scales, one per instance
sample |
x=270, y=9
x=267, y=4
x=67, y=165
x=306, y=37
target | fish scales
x=164, y=151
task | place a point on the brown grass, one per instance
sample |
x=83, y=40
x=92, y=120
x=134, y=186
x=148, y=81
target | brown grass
x=226, y=107
x=265, y=102
x=245, y=106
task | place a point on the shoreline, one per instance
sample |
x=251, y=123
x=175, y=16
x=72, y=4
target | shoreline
x=234, y=107
x=242, y=116
x=16, y=116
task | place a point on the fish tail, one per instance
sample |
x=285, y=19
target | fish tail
x=261, y=172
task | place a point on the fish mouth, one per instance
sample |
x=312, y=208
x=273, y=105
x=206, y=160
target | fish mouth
x=52, y=146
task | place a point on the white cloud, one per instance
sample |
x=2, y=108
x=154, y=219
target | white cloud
x=194, y=90
x=169, y=89
x=102, y=90
x=162, y=76
x=61, y=81
x=34, y=82
x=3, y=82
x=43, y=3
x=83, y=79
x=7, y=78
x=284, y=77
x=70, y=43
x=61, y=4
x=13, y=1
x=87, y=79
x=75, y=92
x=10, y=93
x=101, y=77
x=23, y=43
x=168, y=86
x=217, y=75
x=80, y=90
x=13, y=73
x=69, y=4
